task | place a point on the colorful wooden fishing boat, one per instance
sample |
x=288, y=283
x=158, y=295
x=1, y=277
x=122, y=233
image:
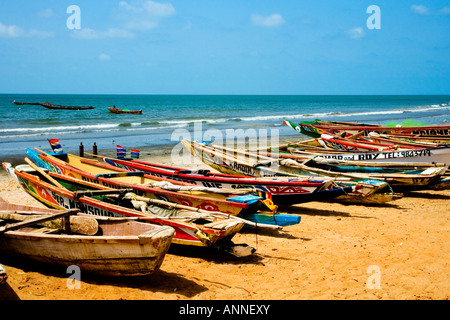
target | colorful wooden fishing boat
x=192, y=227
x=347, y=144
x=247, y=206
x=418, y=139
x=315, y=129
x=401, y=176
x=427, y=176
x=123, y=247
x=363, y=190
x=375, y=162
x=283, y=190
x=393, y=140
x=123, y=111
x=425, y=155
x=226, y=201
x=398, y=140
x=302, y=150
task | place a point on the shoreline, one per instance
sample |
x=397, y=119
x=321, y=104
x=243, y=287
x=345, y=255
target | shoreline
x=147, y=153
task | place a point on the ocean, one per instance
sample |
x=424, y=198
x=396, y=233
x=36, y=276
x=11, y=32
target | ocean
x=166, y=119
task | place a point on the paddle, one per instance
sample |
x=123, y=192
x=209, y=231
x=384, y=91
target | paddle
x=45, y=174
x=89, y=193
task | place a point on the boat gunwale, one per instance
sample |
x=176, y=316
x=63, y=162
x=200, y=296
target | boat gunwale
x=141, y=187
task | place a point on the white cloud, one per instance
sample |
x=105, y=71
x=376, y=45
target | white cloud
x=134, y=15
x=422, y=10
x=104, y=57
x=143, y=15
x=273, y=20
x=46, y=13
x=87, y=33
x=159, y=9
x=419, y=9
x=10, y=31
x=356, y=33
x=149, y=7
x=13, y=31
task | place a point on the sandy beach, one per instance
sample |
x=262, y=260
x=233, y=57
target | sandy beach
x=395, y=251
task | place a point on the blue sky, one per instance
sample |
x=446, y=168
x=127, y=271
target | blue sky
x=225, y=47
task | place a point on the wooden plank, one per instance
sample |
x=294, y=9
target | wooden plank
x=120, y=174
x=86, y=225
x=78, y=194
x=45, y=230
x=27, y=223
x=45, y=174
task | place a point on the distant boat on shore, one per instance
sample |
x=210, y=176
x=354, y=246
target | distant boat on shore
x=49, y=105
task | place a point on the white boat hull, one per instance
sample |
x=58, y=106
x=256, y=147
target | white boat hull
x=430, y=155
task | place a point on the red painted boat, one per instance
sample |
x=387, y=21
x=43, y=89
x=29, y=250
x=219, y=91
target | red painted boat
x=351, y=129
x=344, y=144
x=240, y=203
x=110, y=176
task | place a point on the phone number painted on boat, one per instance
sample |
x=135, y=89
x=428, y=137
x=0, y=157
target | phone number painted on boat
x=381, y=155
